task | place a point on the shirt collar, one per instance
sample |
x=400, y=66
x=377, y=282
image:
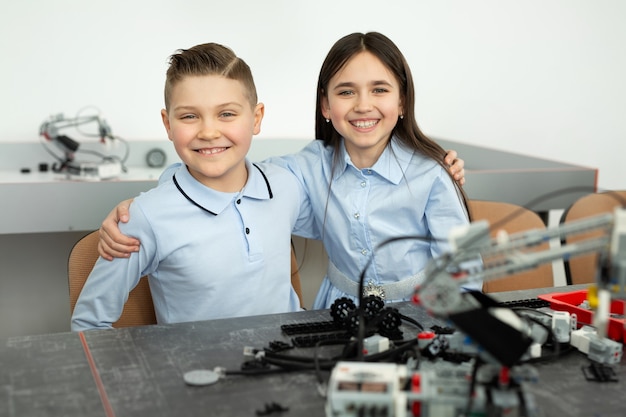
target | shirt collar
x=257, y=187
x=391, y=165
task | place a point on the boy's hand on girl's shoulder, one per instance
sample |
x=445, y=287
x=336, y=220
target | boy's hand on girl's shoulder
x=455, y=166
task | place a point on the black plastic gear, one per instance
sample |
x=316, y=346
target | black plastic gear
x=352, y=322
x=390, y=320
x=372, y=305
x=341, y=308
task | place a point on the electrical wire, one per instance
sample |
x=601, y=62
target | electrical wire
x=293, y=363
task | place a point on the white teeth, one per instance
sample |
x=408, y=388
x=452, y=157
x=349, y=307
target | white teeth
x=211, y=151
x=365, y=124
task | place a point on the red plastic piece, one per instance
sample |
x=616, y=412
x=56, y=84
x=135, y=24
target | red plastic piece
x=570, y=302
x=416, y=386
x=425, y=335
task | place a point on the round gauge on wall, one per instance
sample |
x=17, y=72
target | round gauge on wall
x=155, y=158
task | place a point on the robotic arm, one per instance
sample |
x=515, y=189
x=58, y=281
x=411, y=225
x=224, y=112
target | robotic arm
x=51, y=129
x=478, y=316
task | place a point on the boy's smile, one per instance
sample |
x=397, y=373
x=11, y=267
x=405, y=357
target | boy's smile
x=211, y=123
x=211, y=151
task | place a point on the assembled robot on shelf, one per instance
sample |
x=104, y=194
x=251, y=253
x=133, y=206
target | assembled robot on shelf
x=108, y=166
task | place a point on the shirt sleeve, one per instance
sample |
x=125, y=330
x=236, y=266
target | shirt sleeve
x=105, y=292
x=441, y=214
x=306, y=225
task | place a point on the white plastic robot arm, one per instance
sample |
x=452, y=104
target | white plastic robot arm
x=510, y=254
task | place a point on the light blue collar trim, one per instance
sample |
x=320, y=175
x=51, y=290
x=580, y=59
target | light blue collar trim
x=391, y=165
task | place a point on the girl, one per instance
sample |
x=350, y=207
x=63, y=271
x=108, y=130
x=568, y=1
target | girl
x=372, y=175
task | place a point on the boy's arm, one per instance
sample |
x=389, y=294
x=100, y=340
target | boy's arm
x=105, y=292
x=113, y=244
x=456, y=166
x=100, y=302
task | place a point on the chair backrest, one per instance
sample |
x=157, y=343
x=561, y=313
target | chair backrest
x=582, y=269
x=138, y=310
x=512, y=219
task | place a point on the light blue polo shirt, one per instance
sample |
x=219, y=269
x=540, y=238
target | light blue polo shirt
x=208, y=254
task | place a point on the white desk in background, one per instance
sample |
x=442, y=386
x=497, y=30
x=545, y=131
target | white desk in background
x=47, y=202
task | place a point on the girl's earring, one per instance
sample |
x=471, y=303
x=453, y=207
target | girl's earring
x=327, y=120
x=402, y=116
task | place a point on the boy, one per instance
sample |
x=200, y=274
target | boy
x=239, y=264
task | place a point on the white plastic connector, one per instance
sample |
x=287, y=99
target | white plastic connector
x=109, y=169
x=561, y=326
x=375, y=344
x=580, y=338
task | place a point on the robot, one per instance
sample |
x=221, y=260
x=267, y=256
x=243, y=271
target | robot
x=492, y=383
x=108, y=167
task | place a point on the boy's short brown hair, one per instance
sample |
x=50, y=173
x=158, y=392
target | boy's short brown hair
x=208, y=59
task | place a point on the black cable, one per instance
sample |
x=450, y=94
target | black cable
x=317, y=367
x=412, y=321
x=302, y=362
x=361, y=328
x=531, y=310
x=470, y=400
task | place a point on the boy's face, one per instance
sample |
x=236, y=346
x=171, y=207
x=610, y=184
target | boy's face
x=363, y=102
x=211, y=123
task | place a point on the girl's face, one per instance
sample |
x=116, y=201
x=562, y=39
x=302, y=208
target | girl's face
x=211, y=123
x=363, y=102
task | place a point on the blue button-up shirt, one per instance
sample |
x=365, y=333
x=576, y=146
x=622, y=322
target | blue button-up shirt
x=355, y=211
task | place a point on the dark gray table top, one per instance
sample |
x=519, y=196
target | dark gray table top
x=139, y=372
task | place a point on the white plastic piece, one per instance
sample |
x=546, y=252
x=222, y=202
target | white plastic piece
x=561, y=326
x=580, y=338
x=200, y=377
x=376, y=344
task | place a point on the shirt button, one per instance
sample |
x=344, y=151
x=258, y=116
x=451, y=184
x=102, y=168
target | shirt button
x=247, y=231
x=369, y=172
x=357, y=215
x=363, y=184
x=239, y=201
x=363, y=251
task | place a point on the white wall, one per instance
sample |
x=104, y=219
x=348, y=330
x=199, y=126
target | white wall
x=539, y=77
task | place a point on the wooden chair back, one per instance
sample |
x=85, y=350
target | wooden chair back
x=582, y=269
x=138, y=310
x=513, y=219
